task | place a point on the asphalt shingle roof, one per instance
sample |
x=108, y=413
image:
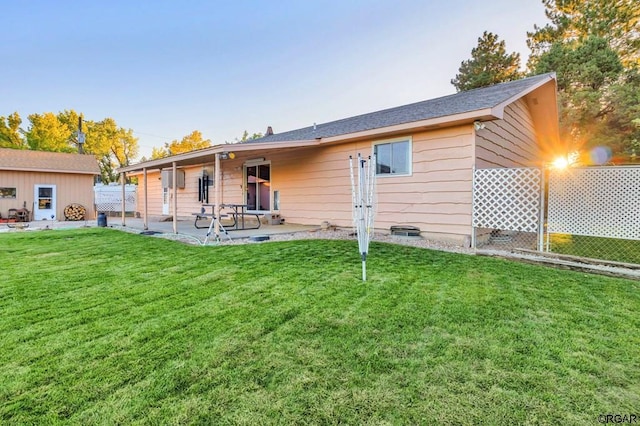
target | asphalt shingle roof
x=472, y=100
x=22, y=159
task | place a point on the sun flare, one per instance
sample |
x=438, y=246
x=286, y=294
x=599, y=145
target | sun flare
x=560, y=163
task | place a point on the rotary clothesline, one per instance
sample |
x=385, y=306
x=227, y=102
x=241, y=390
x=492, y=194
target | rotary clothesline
x=363, y=199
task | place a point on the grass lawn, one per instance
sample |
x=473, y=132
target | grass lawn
x=101, y=326
x=615, y=249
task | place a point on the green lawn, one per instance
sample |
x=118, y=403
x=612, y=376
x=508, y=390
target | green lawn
x=615, y=249
x=102, y=326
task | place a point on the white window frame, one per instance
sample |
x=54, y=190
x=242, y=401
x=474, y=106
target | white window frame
x=392, y=141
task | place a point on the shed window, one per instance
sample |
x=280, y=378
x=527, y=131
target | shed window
x=393, y=157
x=7, y=193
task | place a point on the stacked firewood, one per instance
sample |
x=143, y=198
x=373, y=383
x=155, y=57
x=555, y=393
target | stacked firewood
x=74, y=212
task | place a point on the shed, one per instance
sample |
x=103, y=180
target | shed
x=42, y=184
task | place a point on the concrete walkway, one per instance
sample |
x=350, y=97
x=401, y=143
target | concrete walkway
x=155, y=225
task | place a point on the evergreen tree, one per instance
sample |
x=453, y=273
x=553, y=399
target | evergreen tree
x=489, y=64
x=594, y=47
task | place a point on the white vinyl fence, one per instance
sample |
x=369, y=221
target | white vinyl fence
x=585, y=211
x=507, y=206
x=108, y=198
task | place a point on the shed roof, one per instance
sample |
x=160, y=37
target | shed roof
x=44, y=161
x=459, y=103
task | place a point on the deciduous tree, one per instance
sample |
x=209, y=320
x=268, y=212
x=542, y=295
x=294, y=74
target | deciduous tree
x=47, y=133
x=112, y=145
x=191, y=142
x=10, y=136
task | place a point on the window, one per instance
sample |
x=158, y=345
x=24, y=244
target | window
x=7, y=193
x=393, y=157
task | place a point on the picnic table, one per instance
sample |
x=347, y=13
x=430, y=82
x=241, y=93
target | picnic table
x=239, y=211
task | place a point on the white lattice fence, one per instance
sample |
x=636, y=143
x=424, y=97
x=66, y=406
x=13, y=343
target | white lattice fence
x=595, y=201
x=507, y=199
x=108, y=198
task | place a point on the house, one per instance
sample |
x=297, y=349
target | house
x=41, y=184
x=426, y=154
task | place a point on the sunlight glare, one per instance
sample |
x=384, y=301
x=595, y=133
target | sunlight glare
x=560, y=163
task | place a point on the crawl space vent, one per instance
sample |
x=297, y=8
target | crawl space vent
x=405, y=230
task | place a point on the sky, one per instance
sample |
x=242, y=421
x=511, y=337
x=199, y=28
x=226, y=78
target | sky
x=166, y=68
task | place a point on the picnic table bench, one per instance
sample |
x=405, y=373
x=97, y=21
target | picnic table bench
x=202, y=216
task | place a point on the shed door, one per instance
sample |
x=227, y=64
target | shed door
x=45, y=202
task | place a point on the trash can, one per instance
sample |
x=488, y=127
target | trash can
x=102, y=220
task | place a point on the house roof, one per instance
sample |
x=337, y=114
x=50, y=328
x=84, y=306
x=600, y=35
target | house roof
x=44, y=161
x=451, y=105
x=487, y=103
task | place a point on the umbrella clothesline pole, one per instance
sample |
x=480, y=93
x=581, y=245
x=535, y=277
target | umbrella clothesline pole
x=363, y=193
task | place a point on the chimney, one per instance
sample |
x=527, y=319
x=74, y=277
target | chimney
x=269, y=131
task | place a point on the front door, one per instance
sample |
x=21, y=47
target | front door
x=258, y=187
x=166, y=197
x=45, y=202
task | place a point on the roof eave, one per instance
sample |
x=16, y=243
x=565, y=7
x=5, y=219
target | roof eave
x=430, y=123
x=499, y=109
x=217, y=149
x=40, y=170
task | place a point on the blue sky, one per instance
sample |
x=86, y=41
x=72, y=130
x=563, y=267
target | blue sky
x=166, y=68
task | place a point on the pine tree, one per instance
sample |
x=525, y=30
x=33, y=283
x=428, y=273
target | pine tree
x=489, y=64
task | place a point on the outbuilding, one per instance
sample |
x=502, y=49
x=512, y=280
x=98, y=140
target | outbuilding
x=39, y=185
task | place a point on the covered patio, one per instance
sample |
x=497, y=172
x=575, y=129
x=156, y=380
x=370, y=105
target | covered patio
x=214, y=167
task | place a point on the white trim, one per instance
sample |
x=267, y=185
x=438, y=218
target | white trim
x=255, y=163
x=44, y=214
x=409, y=139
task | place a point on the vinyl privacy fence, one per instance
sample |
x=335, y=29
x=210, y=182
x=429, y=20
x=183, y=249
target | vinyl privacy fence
x=589, y=212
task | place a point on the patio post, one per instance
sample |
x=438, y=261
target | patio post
x=217, y=195
x=123, y=180
x=175, y=197
x=144, y=200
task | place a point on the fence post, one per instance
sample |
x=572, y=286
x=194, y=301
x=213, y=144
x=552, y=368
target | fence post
x=473, y=207
x=542, y=216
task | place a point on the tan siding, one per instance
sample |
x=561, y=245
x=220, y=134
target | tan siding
x=510, y=142
x=70, y=188
x=188, y=196
x=314, y=185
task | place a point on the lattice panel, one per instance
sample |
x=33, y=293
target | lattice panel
x=112, y=201
x=595, y=201
x=507, y=199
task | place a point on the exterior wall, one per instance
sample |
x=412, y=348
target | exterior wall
x=315, y=185
x=187, y=197
x=70, y=188
x=510, y=142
